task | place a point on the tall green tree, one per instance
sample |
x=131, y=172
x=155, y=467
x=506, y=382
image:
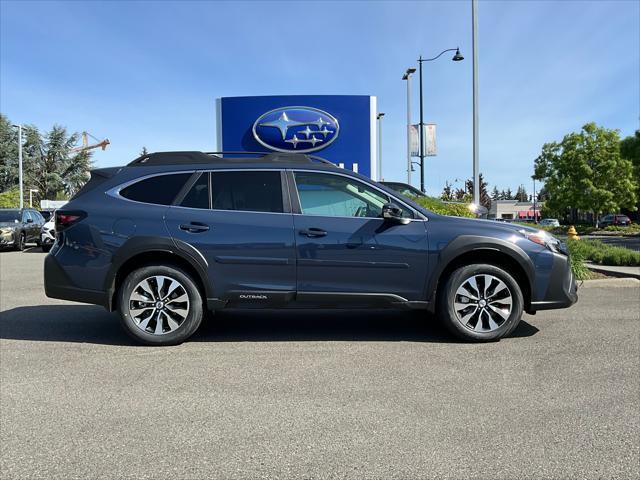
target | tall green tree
x=630, y=149
x=8, y=155
x=586, y=171
x=53, y=166
x=49, y=162
x=521, y=194
x=447, y=192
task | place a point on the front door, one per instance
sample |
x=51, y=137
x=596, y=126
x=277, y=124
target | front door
x=239, y=221
x=344, y=247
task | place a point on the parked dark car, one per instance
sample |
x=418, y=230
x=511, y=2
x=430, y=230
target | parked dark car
x=174, y=233
x=404, y=188
x=19, y=227
x=614, y=219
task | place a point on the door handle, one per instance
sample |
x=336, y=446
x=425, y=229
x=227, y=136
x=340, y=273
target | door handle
x=194, y=227
x=313, y=232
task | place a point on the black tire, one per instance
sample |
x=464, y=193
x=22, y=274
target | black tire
x=188, y=325
x=46, y=247
x=22, y=239
x=472, y=331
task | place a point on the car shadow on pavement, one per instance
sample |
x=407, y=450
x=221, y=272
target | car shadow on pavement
x=92, y=324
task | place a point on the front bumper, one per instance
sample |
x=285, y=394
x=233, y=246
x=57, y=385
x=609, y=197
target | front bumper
x=7, y=239
x=57, y=284
x=562, y=289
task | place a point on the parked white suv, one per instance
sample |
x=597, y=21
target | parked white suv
x=550, y=222
x=48, y=233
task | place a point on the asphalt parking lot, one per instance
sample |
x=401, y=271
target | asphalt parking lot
x=316, y=394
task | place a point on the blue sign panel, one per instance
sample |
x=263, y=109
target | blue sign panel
x=340, y=128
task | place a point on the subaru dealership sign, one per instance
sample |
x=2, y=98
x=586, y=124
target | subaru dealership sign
x=340, y=128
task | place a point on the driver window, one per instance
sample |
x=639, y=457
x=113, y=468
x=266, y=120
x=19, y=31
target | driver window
x=26, y=216
x=337, y=196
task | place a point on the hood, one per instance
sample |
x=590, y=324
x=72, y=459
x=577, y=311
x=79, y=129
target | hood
x=49, y=225
x=8, y=224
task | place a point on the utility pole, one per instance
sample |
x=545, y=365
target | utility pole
x=407, y=77
x=19, y=127
x=476, y=171
x=379, y=117
x=421, y=131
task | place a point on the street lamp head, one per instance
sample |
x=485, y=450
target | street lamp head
x=408, y=73
x=457, y=57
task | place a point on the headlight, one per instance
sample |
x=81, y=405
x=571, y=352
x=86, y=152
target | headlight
x=543, y=238
x=6, y=231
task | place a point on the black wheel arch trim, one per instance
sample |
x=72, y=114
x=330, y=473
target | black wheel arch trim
x=147, y=245
x=468, y=243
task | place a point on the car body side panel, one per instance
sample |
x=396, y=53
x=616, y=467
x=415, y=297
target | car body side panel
x=361, y=255
x=244, y=251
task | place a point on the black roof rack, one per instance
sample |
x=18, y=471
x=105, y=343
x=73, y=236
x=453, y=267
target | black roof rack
x=196, y=157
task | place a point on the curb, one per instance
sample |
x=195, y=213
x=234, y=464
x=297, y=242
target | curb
x=609, y=282
x=612, y=271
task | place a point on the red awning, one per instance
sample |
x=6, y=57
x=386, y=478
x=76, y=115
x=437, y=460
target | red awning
x=528, y=213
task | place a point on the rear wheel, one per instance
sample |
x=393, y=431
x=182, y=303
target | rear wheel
x=160, y=305
x=480, y=303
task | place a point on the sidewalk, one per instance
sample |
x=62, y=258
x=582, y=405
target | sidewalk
x=628, y=272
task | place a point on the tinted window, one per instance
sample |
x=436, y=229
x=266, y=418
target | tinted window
x=198, y=195
x=37, y=217
x=338, y=196
x=249, y=191
x=26, y=215
x=9, y=215
x=161, y=189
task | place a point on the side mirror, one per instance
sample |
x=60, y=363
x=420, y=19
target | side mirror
x=393, y=213
x=29, y=220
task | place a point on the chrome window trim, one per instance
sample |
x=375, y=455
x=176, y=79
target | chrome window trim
x=420, y=217
x=115, y=191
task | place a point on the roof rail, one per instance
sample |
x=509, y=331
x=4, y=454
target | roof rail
x=197, y=157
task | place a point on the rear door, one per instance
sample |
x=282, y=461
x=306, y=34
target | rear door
x=241, y=223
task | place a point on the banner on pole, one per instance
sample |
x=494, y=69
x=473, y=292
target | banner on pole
x=429, y=140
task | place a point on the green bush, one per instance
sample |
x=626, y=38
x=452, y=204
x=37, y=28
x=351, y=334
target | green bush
x=10, y=199
x=438, y=206
x=598, y=252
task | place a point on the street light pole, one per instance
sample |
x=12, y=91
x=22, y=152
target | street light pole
x=456, y=58
x=19, y=127
x=421, y=130
x=476, y=146
x=379, y=117
x=407, y=77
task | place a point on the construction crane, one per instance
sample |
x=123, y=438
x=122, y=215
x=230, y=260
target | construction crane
x=85, y=143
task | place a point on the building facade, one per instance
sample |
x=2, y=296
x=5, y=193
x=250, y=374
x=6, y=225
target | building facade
x=514, y=210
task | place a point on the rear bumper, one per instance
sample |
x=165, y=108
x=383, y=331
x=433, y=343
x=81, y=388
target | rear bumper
x=58, y=285
x=562, y=290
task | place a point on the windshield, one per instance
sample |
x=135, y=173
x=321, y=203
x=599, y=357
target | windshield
x=9, y=215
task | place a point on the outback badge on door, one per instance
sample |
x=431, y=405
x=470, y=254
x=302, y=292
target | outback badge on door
x=296, y=129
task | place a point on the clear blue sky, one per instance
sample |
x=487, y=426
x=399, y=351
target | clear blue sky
x=147, y=73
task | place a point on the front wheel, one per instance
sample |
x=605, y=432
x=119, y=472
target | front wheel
x=480, y=303
x=21, y=241
x=160, y=305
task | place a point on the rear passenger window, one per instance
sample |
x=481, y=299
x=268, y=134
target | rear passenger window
x=198, y=196
x=161, y=189
x=248, y=191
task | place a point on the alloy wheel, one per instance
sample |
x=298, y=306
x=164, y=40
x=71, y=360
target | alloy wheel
x=483, y=303
x=159, y=305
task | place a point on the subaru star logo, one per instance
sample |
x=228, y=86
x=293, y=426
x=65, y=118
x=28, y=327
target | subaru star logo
x=296, y=129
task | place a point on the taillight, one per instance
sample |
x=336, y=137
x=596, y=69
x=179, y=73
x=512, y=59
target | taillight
x=66, y=219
